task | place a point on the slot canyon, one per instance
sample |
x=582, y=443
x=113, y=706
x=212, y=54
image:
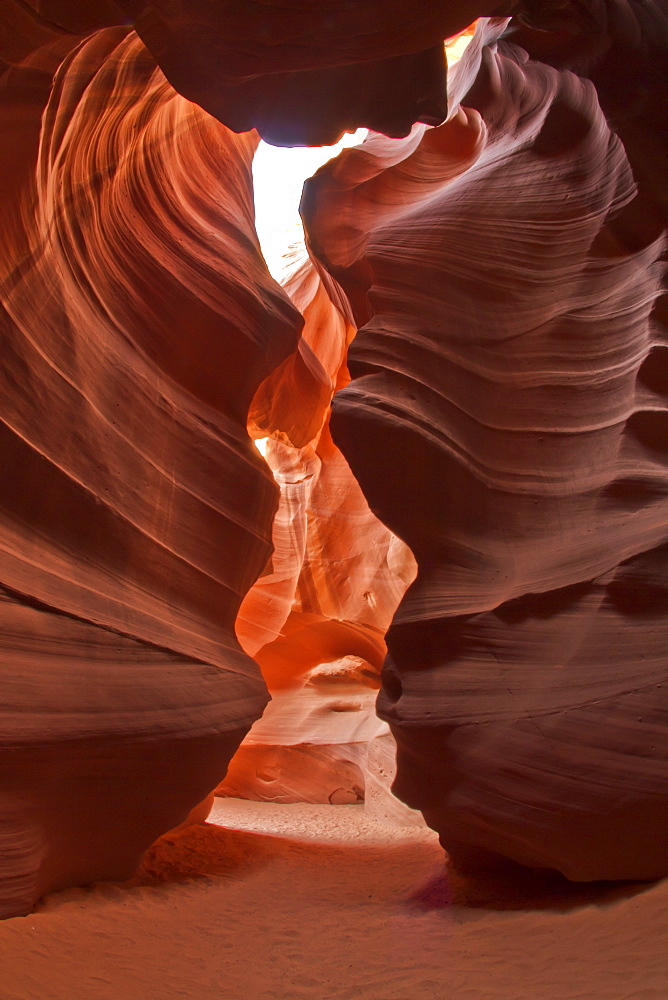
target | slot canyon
x=380, y=530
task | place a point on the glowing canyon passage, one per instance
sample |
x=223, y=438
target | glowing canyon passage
x=457, y=544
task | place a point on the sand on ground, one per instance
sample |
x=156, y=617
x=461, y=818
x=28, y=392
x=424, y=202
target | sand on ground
x=310, y=902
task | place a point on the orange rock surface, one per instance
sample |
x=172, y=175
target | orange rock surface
x=138, y=320
x=315, y=620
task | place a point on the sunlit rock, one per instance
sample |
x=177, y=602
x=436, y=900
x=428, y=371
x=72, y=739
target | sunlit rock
x=316, y=618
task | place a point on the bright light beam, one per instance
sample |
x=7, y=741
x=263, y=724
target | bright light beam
x=278, y=177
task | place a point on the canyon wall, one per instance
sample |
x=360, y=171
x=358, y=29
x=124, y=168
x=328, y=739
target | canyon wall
x=507, y=418
x=138, y=320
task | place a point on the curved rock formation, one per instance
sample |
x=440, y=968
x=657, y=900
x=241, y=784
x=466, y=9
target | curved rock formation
x=507, y=418
x=138, y=320
x=301, y=74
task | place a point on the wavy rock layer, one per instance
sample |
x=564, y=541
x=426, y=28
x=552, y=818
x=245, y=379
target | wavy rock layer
x=138, y=320
x=507, y=418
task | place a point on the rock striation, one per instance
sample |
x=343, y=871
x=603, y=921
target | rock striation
x=138, y=320
x=507, y=418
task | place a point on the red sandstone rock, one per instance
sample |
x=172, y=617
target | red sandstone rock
x=138, y=320
x=301, y=74
x=507, y=419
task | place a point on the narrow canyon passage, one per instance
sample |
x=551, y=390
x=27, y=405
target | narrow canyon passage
x=461, y=397
x=316, y=618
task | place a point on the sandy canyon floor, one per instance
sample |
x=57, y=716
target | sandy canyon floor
x=284, y=902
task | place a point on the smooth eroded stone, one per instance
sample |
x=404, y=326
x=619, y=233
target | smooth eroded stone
x=138, y=321
x=507, y=419
x=301, y=74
